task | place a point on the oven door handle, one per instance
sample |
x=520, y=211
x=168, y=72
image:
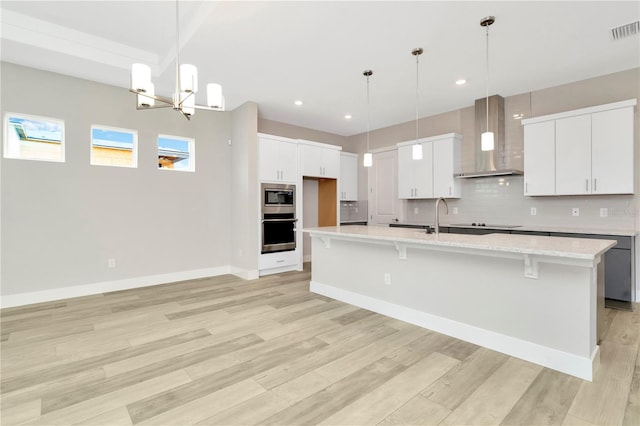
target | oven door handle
x=279, y=220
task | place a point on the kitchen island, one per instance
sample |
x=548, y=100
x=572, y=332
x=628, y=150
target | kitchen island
x=536, y=298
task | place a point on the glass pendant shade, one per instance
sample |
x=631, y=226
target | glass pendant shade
x=144, y=101
x=188, y=103
x=214, y=95
x=486, y=141
x=140, y=77
x=416, y=153
x=368, y=159
x=188, y=78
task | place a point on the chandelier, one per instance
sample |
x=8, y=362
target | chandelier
x=183, y=100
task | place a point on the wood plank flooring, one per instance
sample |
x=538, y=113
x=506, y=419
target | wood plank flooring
x=223, y=351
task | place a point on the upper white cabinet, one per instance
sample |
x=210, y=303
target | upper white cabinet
x=540, y=158
x=433, y=175
x=415, y=177
x=278, y=159
x=612, y=151
x=587, y=151
x=319, y=160
x=573, y=155
x=348, y=176
x=446, y=164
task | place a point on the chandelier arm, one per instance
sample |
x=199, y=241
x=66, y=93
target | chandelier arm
x=206, y=107
x=156, y=97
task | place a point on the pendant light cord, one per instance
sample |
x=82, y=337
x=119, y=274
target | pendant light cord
x=487, y=28
x=417, y=91
x=177, y=94
x=368, y=114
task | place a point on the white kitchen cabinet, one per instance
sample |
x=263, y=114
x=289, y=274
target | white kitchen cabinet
x=587, y=151
x=433, y=175
x=348, y=176
x=320, y=161
x=573, y=155
x=540, y=158
x=612, y=151
x=415, y=177
x=278, y=159
x=447, y=162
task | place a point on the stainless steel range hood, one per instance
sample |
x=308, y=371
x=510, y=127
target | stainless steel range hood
x=490, y=163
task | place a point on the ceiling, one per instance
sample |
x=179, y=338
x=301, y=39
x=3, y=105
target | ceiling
x=273, y=52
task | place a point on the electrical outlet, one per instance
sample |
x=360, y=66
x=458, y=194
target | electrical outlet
x=604, y=212
x=356, y=210
x=455, y=210
x=111, y=263
x=387, y=279
x=415, y=210
x=534, y=211
x=575, y=211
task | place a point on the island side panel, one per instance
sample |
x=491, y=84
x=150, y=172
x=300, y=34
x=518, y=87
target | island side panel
x=472, y=297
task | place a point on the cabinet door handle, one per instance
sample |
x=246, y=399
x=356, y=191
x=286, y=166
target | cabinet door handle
x=586, y=185
x=526, y=187
x=449, y=190
x=595, y=185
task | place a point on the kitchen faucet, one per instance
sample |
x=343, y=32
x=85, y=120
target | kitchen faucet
x=438, y=213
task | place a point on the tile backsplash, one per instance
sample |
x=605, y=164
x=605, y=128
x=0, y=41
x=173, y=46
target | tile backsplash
x=353, y=211
x=501, y=200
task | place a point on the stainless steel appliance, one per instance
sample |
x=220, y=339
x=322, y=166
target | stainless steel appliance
x=278, y=217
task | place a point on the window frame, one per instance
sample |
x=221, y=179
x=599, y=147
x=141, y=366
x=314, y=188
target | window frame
x=134, y=149
x=192, y=152
x=5, y=143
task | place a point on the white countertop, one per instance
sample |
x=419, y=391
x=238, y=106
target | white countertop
x=572, y=248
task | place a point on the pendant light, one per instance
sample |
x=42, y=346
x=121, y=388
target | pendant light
x=368, y=157
x=486, y=140
x=416, y=153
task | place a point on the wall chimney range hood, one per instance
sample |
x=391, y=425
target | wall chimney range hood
x=495, y=162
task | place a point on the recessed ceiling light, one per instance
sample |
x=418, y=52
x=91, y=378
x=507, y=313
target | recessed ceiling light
x=461, y=82
x=518, y=116
x=298, y=103
x=347, y=117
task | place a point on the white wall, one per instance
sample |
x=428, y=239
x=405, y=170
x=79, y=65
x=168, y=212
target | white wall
x=62, y=221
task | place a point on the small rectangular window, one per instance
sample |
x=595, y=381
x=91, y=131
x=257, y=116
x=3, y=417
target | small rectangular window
x=176, y=153
x=29, y=137
x=111, y=146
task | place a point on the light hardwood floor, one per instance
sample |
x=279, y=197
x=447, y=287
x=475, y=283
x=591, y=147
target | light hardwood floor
x=223, y=351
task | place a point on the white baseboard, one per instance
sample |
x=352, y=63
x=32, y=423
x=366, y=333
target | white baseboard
x=574, y=365
x=20, y=299
x=245, y=274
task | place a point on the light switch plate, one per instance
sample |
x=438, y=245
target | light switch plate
x=575, y=211
x=455, y=210
x=415, y=210
x=604, y=212
x=534, y=211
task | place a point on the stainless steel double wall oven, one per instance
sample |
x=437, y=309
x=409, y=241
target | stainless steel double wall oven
x=278, y=217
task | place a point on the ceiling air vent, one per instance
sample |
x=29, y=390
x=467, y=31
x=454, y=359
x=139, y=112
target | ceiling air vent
x=625, y=30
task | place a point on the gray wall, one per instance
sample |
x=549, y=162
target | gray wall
x=62, y=221
x=245, y=195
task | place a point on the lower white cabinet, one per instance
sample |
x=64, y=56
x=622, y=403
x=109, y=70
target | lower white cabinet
x=583, y=152
x=277, y=260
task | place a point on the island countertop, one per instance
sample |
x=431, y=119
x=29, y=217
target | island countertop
x=561, y=247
